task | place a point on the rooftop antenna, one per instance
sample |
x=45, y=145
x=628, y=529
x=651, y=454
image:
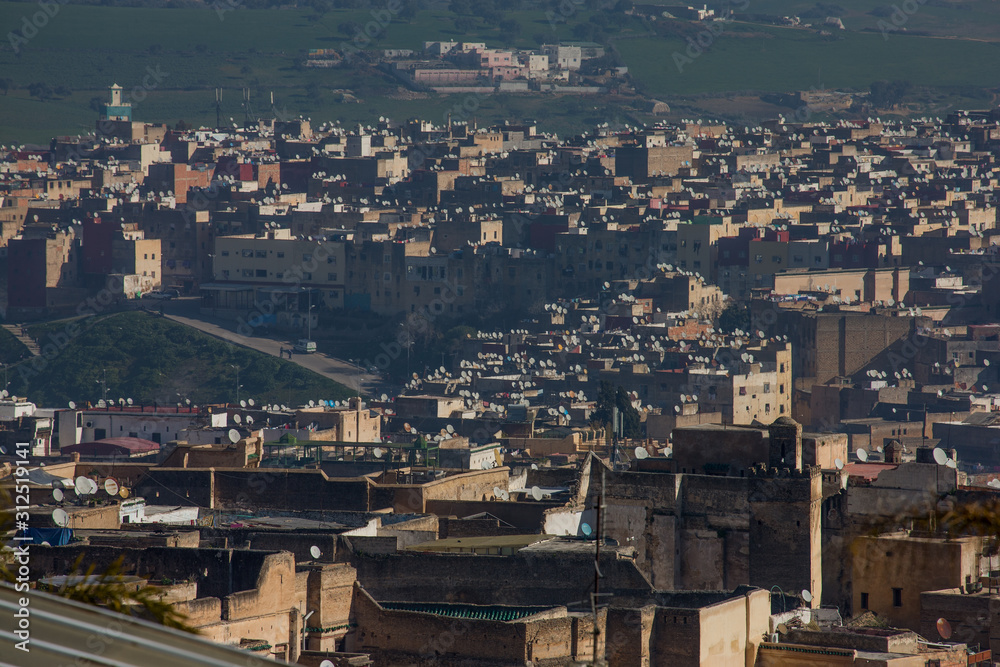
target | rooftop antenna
x=218, y=108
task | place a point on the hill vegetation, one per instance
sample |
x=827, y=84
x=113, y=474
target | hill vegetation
x=150, y=359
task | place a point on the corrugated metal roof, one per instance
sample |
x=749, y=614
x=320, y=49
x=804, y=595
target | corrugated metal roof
x=477, y=612
x=64, y=632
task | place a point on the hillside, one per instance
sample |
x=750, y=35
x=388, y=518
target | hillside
x=147, y=358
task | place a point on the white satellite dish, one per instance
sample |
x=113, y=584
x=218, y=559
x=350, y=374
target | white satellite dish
x=536, y=493
x=250, y=402
x=863, y=455
x=807, y=596
x=111, y=487
x=237, y=419
x=534, y=466
x=950, y=463
x=326, y=663
x=82, y=485
x=940, y=457
x=72, y=405
x=234, y=436
x=57, y=495
x=497, y=492
x=243, y=404
x=377, y=452
x=641, y=453
x=839, y=464
x=60, y=517
x=315, y=552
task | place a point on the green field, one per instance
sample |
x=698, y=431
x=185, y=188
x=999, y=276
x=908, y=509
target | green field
x=752, y=58
x=84, y=48
x=148, y=358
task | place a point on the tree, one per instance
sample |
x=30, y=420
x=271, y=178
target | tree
x=510, y=30
x=465, y=24
x=735, y=316
x=888, y=94
x=40, y=90
x=608, y=399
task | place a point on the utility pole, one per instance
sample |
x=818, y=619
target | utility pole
x=597, y=564
x=309, y=315
x=104, y=384
x=237, y=383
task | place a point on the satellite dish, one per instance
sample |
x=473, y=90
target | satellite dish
x=234, y=436
x=641, y=453
x=377, y=452
x=863, y=455
x=72, y=405
x=250, y=402
x=940, y=457
x=951, y=463
x=124, y=493
x=807, y=595
x=237, y=419
x=586, y=529
x=57, y=495
x=839, y=464
x=536, y=493
x=82, y=486
x=315, y=552
x=944, y=628
x=243, y=404
x=497, y=492
x=534, y=466
x=111, y=487
x=60, y=517
x=249, y=419
x=326, y=663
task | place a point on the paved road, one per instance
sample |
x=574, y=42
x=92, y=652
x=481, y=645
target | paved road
x=185, y=311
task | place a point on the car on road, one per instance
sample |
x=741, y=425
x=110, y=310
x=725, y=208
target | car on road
x=162, y=294
x=305, y=346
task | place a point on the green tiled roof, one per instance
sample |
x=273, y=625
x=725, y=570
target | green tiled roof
x=477, y=612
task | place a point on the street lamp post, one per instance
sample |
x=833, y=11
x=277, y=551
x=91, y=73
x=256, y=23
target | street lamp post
x=237, y=383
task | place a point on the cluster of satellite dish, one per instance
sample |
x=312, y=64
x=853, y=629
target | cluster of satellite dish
x=82, y=487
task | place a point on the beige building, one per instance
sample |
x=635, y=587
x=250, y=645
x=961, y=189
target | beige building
x=890, y=572
x=277, y=262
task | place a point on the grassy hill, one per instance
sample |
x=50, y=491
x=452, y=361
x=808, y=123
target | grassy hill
x=147, y=358
x=947, y=46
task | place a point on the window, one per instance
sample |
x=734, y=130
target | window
x=897, y=597
x=864, y=600
x=333, y=260
x=248, y=273
x=247, y=253
x=307, y=257
x=332, y=277
x=261, y=273
x=260, y=254
x=225, y=253
x=743, y=391
x=281, y=254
